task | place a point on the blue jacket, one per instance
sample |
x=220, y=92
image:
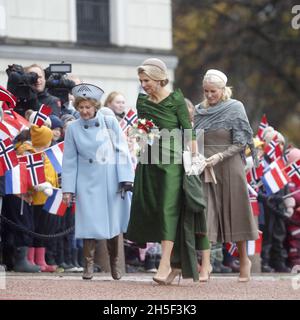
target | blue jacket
x=93, y=167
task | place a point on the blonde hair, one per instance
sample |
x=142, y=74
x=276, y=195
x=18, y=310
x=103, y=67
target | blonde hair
x=150, y=72
x=216, y=81
x=110, y=98
x=95, y=103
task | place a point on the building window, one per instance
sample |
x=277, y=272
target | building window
x=93, y=22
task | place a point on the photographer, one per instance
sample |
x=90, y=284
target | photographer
x=43, y=96
x=20, y=84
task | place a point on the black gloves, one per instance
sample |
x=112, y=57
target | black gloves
x=124, y=187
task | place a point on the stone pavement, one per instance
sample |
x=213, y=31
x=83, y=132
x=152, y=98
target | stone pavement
x=46, y=286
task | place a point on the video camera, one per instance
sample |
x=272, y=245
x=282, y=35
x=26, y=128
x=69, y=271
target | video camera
x=57, y=83
x=20, y=84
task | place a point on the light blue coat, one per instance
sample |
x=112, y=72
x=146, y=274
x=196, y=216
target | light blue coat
x=93, y=167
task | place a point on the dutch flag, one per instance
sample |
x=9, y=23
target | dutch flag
x=55, y=155
x=54, y=204
x=16, y=179
x=275, y=178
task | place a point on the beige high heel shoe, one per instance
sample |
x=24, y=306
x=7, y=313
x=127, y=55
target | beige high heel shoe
x=248, y=277
x=174, y=273
x=162, y=280
x=207, y=277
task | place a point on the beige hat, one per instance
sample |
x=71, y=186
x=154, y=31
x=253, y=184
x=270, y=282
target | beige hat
x=154, y=68
x=216, y=73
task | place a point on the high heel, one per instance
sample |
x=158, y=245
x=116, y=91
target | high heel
x=174, y=273
x=246, y=279
x=207, y=277
x=162, y=280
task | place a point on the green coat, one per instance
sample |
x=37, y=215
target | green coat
x=165, y=204
x=157, y=196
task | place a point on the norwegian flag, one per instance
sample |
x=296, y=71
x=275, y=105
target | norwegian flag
x=254, y=246
x=35, y=168
x=285, y=155
x=12, y=124
x=42, y=115
x=262, y=126
x=232, y=249
x=16, y=180
x=8, y=156
x=54, y=204
x=55, y=155
x=129, y=120
x=293, y=171
x=6, y=96
x=273, y=150
x=254, y=174
x=275, y=177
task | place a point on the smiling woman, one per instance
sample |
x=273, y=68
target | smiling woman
x=87, y=108
x=97, y=170
x=158, y=193
x=227, y=133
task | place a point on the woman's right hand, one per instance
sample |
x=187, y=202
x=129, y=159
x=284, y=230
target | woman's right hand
x=67, y=198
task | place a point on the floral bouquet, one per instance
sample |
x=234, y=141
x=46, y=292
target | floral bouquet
x=145, y=132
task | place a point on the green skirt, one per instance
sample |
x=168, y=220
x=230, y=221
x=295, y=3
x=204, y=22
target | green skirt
x=156, y=203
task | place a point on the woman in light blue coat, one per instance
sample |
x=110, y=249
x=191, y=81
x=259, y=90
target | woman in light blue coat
x=97, y=170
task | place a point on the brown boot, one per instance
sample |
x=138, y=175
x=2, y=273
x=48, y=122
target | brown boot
x=89, y=246
x=113, y=250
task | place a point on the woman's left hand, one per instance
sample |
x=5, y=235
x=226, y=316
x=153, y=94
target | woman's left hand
x=214, y=159
x=67, y=198
x=124, y=187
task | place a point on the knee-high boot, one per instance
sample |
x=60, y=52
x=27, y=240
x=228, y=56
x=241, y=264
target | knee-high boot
x=89, y=246
x=113, y=251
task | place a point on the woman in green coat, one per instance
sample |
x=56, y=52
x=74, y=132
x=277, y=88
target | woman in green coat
x=158, y=187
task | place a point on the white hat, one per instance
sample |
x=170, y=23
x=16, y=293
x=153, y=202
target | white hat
x=216, y=73
x=86, y=90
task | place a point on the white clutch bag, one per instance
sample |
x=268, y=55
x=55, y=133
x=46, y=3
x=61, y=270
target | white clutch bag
x=193, y=165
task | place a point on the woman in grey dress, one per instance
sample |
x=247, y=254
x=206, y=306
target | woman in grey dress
x=227, y=132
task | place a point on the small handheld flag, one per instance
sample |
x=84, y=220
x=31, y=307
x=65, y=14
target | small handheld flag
x=54, y=204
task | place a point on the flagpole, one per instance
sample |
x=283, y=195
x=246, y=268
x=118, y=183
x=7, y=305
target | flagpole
x=290, y=194
x=22, y=207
